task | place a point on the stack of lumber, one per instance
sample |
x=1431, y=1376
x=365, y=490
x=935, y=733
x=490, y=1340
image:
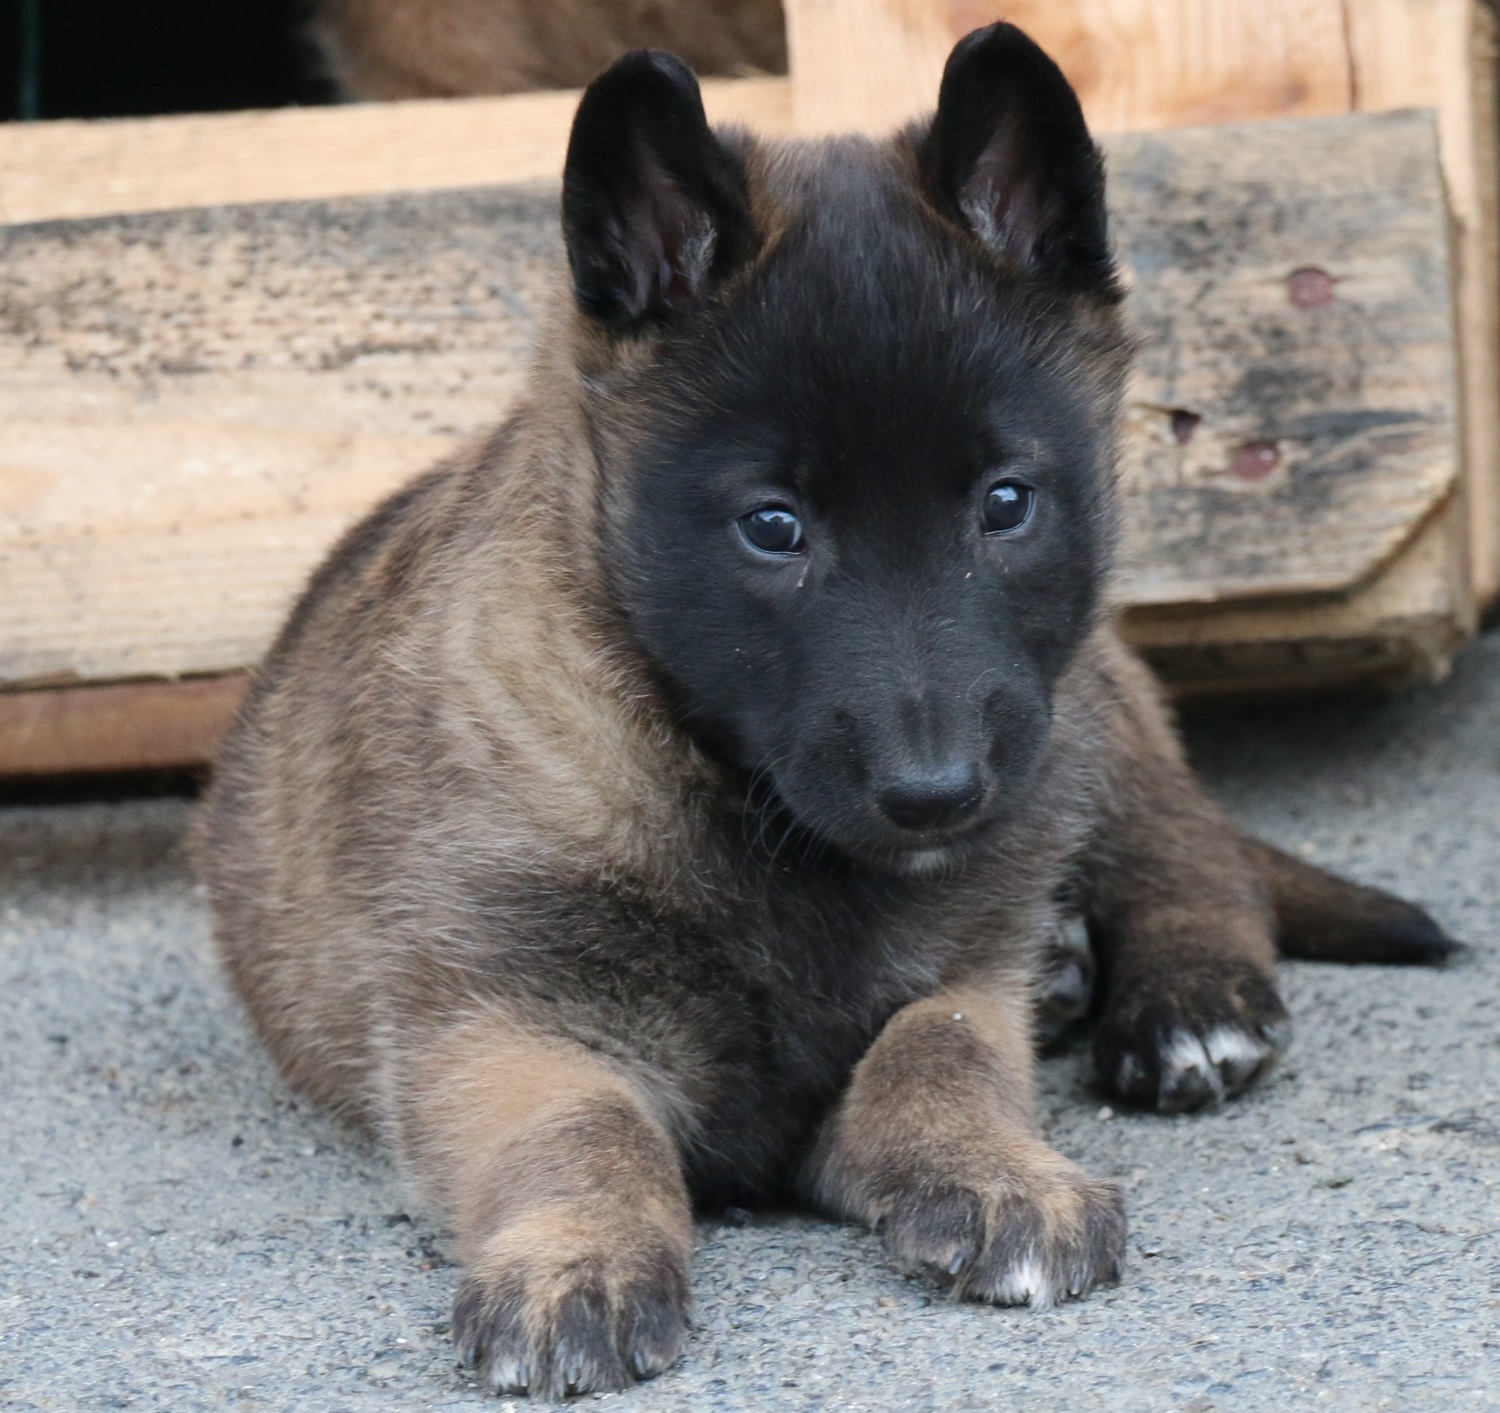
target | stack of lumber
x=222, y=338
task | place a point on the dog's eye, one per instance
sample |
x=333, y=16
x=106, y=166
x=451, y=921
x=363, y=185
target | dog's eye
x=772, y=528
x=1007, y=506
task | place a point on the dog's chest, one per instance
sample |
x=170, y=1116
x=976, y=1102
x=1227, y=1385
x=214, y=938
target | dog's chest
x=754, y=1005
x=783, y=994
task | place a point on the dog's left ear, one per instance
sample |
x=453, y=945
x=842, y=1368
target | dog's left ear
x=655, y=208
x=1009, y=156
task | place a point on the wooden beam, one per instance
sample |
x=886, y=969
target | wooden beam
x=1442, y=54
x=863, y=65
x=1400, y=628
x=193, y=404
x=1269, y=449
x=125, y=726
x=72, y=169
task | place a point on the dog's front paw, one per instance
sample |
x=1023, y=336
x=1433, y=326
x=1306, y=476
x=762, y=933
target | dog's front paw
x=1191, y=1038
x=564, y=1303
x=1036, y=1232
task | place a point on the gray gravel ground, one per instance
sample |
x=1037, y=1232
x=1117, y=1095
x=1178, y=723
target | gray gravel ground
x=177, y=1233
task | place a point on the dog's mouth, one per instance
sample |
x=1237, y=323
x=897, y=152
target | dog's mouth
x=788, y=834
x=931, y=862
x=920, y=856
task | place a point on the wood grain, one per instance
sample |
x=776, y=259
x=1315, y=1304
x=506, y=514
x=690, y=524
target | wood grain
x=123, y=726
x=193, y=404
x=1398, y=629
x=1326, y=430
x=1442, y=54
x=863, y=65
x=73, y=169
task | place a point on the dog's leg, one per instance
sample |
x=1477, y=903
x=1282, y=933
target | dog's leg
x=1181, y=922
x=1187, y=916
x=935, y=1143
x=567, y=1201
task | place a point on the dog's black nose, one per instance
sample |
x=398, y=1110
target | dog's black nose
x=930, y=799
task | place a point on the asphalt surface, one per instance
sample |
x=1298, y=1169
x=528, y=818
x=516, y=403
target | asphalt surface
x=177, y=1233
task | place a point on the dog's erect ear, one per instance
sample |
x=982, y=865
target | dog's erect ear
x=655, y=209
x=1009, y=156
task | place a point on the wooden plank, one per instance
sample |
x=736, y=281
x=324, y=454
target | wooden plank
x=1147, y=64
x=73, y=169
x=1442, y=54
x=193, y=404
x=1292, y=419
x=866, y=65
x=1139, y=64
x=863, y=65
x=126, y=726
x=1400, y=628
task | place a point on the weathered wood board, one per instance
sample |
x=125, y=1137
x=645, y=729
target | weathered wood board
x=71, y=169
x=1293, y=418
x=116, y=726
x=193, y=404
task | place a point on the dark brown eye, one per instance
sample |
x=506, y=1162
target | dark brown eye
x=1007, y=506
x=772, y=529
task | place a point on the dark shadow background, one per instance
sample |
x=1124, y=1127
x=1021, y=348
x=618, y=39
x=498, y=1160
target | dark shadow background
x=120, y=58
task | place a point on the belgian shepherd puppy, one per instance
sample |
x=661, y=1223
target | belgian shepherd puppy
x=675, y=799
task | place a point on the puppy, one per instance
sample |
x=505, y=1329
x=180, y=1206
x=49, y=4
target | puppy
x=674, y=799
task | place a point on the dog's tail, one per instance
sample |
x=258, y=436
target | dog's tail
x=1324, y=918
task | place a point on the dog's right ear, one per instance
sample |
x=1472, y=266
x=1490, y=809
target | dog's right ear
x=1009, y=156
x=655, y=210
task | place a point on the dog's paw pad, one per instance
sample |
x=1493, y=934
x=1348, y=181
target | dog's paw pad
x=1057, y=1241
x=504, y=1373
x=559, y=1322
x=1196, y=1071
x=1024, y=1283
x=1193, y=1044
x=1035, y=1235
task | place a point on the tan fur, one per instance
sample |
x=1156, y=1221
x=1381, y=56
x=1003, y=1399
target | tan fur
x=936, y=1143
x=386, y=49
x=558, y=1180
x=483, y=1093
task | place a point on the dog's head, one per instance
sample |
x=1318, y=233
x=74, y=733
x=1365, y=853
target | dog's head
x=854, y=404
